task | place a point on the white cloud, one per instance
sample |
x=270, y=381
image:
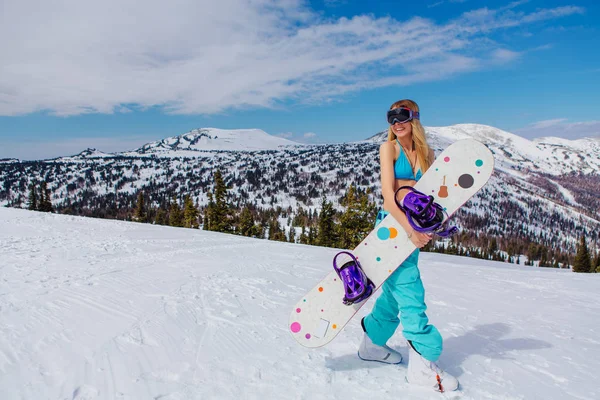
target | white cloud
x=562, y=128
x=308, y=137
x=286, y=135
x=192, y=56
x=547, y=123
x=439, y=3
x=546, y=46
x=504, y=55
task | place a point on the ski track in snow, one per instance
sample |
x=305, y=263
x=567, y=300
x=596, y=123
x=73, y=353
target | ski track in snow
x=97, y=309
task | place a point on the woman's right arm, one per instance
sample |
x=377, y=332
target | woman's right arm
x=388, y=181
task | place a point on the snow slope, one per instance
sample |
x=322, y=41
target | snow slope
x=103, y=309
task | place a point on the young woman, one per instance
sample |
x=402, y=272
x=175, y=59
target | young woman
x=404, y=158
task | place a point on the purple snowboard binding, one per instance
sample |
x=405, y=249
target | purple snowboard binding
x=423, y=214
x=357, y=286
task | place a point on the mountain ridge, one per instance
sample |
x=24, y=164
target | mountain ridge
x=543, y=192
x=211, y=139
x=566, y=154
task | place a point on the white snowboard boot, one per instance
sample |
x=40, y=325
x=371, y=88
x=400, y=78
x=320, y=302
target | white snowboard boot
x=369, y=351
x=426, y=373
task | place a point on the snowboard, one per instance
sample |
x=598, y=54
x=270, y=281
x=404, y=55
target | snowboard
x=456, y=175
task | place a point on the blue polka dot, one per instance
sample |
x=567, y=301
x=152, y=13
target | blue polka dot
x=383, y=233
x=378, y=258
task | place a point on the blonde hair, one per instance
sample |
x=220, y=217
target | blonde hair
x=418, y=134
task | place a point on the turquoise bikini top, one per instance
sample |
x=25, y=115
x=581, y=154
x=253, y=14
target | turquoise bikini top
x=402, y=168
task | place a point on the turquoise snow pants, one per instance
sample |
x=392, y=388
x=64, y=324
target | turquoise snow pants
x=403, y=295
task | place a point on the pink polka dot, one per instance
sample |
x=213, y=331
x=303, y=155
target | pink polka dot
x=307, y=336
x=446, y=159
x=295, y=327
x=298, y=310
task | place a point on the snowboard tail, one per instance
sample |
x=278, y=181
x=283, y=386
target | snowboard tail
x=456, y=175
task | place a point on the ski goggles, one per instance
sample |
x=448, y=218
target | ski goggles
x=401, y=114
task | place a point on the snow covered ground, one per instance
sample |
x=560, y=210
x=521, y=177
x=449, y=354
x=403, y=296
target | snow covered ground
x=100, y=309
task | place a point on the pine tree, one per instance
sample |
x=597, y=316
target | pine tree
x=45, y=204
x=190, y=213
x=301, y=217
x=161, y=217
x=219, y=216
x=326, y=231
x=292, y=234
x=40, y=198
x=48, y=201
x=356, y=221
x=275, y=231
x=32, y=204
x=582, y=259
x=303, y=239
x=208, y=213
x=543, y=257
x=140, y=214
x=492, y=249
x=596, y=263
x=511, y=252
x=175, y=213
x=531, y=253
x=312, y=239
x=246, y=225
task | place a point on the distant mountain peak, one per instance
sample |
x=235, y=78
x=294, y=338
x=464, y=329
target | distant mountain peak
x=210, y=139
x=91, y=152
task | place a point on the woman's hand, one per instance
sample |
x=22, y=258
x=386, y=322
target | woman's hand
x=419, y=239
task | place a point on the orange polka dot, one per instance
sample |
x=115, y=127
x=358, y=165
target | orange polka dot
x=334, y=326
x=393, y=233
x=320, y=289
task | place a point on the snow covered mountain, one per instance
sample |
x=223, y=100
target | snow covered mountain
x=208, y=139
x=543, y=191
x=551, y=155
x=96, y=309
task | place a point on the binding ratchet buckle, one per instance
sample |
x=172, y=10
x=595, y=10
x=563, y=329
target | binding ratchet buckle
x=357, y=286
x=424, y=214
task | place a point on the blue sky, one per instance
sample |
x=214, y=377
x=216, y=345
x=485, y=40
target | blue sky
x=120, y=73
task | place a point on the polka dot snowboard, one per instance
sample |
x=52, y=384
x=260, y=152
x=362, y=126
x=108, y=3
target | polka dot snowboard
x=456, y=175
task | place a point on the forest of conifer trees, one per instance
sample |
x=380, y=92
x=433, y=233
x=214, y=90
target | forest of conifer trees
x=330, y=195
x=331, y=228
